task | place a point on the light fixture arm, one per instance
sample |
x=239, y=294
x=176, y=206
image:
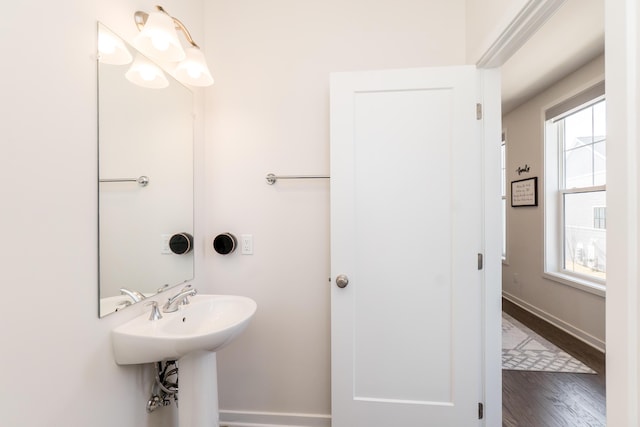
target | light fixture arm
x=140, y=19
x=158, y=39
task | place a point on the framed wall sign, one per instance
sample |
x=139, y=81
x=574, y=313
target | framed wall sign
x=524, y=192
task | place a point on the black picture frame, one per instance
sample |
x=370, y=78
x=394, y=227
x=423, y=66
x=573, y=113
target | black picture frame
x=524, y=192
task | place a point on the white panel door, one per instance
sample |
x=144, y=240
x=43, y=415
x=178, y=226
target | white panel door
x=406, y=229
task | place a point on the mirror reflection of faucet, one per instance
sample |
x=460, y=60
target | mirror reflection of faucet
x=123, y=304
x=134, y=295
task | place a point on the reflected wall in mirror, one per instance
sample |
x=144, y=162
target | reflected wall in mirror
x=143, y=132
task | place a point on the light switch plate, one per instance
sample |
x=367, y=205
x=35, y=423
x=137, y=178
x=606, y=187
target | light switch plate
x=164, y=244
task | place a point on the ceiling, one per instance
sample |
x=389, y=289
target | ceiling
x=573, y=36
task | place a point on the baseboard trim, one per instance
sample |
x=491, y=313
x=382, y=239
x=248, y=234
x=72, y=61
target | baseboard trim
x=272, y=419
x=558, y=323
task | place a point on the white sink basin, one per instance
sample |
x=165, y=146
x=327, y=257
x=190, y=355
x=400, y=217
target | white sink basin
x=208, y=323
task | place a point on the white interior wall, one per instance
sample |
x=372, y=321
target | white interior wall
x=579, y=312
x=268, y=113
x=486, y=21
x=58, y=369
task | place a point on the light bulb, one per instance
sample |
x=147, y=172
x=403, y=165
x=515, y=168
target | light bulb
x=161, y=43
x=106, y=44
x=194, y=72
x=159, y=40
x=146, y=74
x=111, y=48
x=193, y=69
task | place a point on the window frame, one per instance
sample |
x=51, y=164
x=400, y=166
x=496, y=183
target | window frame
x=555, y=193
x=600, y=220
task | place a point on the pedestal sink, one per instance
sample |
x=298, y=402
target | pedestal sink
x=191, y=336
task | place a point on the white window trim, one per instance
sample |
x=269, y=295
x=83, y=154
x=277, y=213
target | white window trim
x=585, y=285
x=553, y=217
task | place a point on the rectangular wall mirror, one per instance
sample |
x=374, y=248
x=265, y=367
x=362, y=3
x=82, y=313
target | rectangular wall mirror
x=144, y=134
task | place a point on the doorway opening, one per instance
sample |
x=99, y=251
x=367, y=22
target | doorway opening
x=554, y=273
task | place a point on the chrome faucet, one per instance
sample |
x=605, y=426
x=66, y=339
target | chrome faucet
x=155, y=312
x=180, y=298
x=134, y=295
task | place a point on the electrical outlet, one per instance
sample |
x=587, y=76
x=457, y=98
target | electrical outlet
x=246, y=244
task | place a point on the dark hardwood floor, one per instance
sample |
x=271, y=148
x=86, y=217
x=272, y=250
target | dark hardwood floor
x=542, y=399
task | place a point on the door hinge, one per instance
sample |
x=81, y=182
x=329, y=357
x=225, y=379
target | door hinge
x=480, y=261
x=478, y=111
x=480, y=410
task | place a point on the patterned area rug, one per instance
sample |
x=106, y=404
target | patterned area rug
x=524, y=350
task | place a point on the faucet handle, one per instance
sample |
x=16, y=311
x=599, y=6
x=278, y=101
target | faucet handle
x=186, y=288
x=155, y=311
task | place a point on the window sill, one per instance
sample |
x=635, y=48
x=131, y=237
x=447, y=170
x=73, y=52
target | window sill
x=582, y=284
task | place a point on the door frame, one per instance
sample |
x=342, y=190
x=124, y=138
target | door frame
x=490, y=138
x=524, y=24
x=622, y=62
x=622, y=59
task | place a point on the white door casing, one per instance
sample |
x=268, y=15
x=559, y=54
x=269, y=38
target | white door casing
x=406, y=229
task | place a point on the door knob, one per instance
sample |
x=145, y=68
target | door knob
x=342, y=281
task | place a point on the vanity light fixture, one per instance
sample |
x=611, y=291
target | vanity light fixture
x=158, y=39
x=146, y=74
x=111, y=48
x=193, y=68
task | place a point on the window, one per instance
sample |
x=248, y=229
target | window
x=600, y=217
x=575, y=196
x=503, y=175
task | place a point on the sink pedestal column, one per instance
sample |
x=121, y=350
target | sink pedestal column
x=198, y=390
